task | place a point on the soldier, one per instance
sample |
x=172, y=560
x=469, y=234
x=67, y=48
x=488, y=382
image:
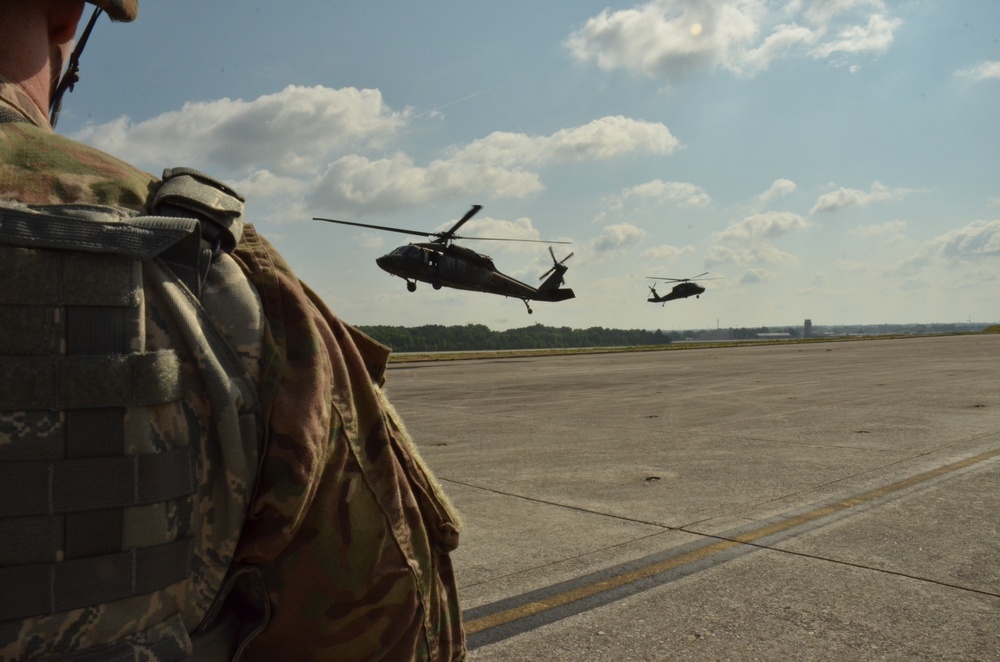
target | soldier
x=196, y=458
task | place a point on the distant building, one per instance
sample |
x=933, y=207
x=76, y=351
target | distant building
x=807, y=329
x=716, y=334
x=774, y=336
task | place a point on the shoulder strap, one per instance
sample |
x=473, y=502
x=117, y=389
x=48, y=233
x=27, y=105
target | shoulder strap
x=175, y=240
x=102, y=230
x=188, y=193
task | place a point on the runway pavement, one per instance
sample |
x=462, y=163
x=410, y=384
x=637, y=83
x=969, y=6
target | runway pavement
x=825, y=501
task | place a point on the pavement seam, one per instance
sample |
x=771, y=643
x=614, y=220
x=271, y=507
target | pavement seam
x=505, y=618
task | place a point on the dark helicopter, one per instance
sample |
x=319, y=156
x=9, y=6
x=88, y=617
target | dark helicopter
x=685, y=287
x=442, y=263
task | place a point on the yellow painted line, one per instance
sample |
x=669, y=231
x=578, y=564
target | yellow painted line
x=560, y=599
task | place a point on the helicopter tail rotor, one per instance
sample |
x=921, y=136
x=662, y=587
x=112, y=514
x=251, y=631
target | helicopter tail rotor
x=557, y=265
x=553, y=278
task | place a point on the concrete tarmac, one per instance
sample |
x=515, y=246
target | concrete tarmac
x=823, y=501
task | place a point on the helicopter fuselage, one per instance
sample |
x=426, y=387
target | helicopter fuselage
x=679, y=291
x=464, y=269
x=444, y=264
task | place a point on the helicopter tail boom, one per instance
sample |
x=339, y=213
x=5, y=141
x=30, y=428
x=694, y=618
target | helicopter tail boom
x=554, y=295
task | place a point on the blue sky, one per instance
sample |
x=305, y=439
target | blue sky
x=833, y=160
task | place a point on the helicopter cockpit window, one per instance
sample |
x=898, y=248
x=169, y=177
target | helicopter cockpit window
x=403, y=251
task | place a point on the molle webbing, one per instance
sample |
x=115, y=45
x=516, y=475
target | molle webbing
x=33, y=590
x=53, y=383
x=77, y=485
x=72, y=354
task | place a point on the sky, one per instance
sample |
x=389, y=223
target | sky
x=833, y=160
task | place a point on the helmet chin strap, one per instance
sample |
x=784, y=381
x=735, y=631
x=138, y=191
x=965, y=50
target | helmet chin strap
x=72, y=74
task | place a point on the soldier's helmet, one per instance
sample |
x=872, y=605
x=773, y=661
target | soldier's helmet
x=119, y=10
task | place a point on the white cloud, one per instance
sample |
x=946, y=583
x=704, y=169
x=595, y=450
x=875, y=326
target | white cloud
x=494, y=166
x=613, y=239
x=879, y=230
x=753, y=276
x=331, y=150
x=779, y=189
x=853, y=267
x=874, y=37
x=668, y=38
x=602, y=139
x=780, y=41
x=976, y=241
x=843, y=198
x=986, y=70
x=657, y=38
x=659, y=191
x=371, y=241
x=290, y=132
x=759, y=254
x=768, y=225
x=665, y=252
x=386, y=185
x=264, y=184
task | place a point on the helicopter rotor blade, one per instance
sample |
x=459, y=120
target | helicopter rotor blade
x=445, y=237
x=449, y=234
x=532, y=241
x=377, y=227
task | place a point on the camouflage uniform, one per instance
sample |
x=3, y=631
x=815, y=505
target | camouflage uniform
x=347, y=525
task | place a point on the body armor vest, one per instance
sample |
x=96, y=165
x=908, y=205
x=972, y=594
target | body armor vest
x=129, y=431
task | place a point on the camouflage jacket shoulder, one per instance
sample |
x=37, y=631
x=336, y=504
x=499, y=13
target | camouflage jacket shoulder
x=41, y=167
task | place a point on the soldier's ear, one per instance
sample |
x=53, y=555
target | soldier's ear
x=64, y=17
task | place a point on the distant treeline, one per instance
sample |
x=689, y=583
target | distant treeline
x=437, y=338
x=472, y=337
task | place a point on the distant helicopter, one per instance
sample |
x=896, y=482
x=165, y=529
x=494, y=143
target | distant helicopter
x=442, y=263
x=685, y=287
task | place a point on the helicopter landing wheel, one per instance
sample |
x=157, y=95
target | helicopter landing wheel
x=436, y=286
x=411, y=286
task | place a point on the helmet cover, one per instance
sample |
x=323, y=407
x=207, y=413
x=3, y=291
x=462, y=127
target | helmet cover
x=119, y=10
